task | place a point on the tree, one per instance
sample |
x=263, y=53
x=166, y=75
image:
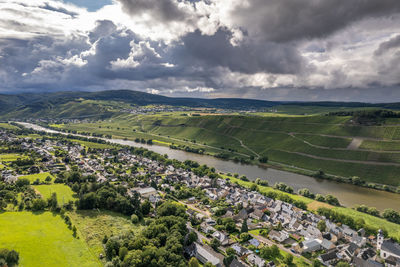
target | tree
x=321, y=225
x=122, y=253
x=316, y=263
x=244, y=228
x=228, y=260
x=146, y=207
x=244, y=237
x=342, y=264
x=263, y=159
x=48, y=179
x=52, y=201
x=134, y=219
x=230, y=251
x=275, y=251
x=288, y=259
x=253, y=187
x=215, y=243
x=74, y=230
x=39, y=204
x=8, y=257
x=193, y=262
x=192, y=237
x=391, y=215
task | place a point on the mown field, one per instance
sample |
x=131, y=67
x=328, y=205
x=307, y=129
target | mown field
x=41, y=176
x=64, y=192
x=11, y=157
x=308, y=142
x=43, y=239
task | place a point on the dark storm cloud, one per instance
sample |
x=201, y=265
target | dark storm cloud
x=390, y=44
x=247, y=57
x=161, y=10
x=287, y=20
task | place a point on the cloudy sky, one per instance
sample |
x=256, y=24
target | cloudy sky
x=264, y=49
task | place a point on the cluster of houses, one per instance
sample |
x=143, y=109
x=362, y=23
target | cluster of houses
x=294, y=230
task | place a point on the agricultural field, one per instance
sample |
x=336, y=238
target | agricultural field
x=307, y=142
x=43, y=239
x=64, y=192
x=8, y=126
x=94, y=145
x=380, y=145
x=93, y=225
x=41, y=176
x=11, y=157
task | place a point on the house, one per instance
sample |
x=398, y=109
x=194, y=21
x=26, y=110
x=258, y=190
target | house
x=387, y=247
x=240, y=250
x=221, y=237
x=358, y=262
x=236, y=263
x=146, y=192
x=254, y=242
x=351, y=249
x=242, y=215
x=278, y=236
x=256, y=260
x=206, y=254
x=328, y=258
x=392, y=261
x=326, y=244
x=311, y=245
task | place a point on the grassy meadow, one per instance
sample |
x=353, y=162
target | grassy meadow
x=11, y=157
x=43, y=239
x=64, y=192
x=93, y=225
x=41, y=176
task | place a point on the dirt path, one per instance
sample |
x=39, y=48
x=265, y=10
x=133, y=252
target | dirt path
x=355, y=143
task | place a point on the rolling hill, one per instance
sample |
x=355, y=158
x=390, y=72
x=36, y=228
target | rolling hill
x=94, y=104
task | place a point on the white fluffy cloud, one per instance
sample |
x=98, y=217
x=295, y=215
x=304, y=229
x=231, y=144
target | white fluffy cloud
x=274, y=49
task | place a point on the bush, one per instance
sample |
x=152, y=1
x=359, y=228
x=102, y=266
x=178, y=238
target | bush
x=10, y=257
x=134, y=219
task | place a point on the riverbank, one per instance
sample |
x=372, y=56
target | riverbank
x=227, y=154
x=349, y=195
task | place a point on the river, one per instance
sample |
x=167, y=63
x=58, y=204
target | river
x=348, y=195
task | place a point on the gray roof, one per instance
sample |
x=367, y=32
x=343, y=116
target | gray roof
x=391, y=246
x=358, y=262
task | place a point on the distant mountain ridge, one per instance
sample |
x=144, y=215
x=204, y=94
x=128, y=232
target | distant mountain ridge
x=61, y=104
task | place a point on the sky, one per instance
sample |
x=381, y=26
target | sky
x=305, y=50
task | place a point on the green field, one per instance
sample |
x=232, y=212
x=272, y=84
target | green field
x=8, y=126
x=64, y=192
x=41, y=176
x=380, y=145
x=88, y=144
x=43, y=239
x=11, y=157
x=94, y=225
x=307, y=142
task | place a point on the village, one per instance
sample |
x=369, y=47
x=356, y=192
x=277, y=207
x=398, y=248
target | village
x=226, y=217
